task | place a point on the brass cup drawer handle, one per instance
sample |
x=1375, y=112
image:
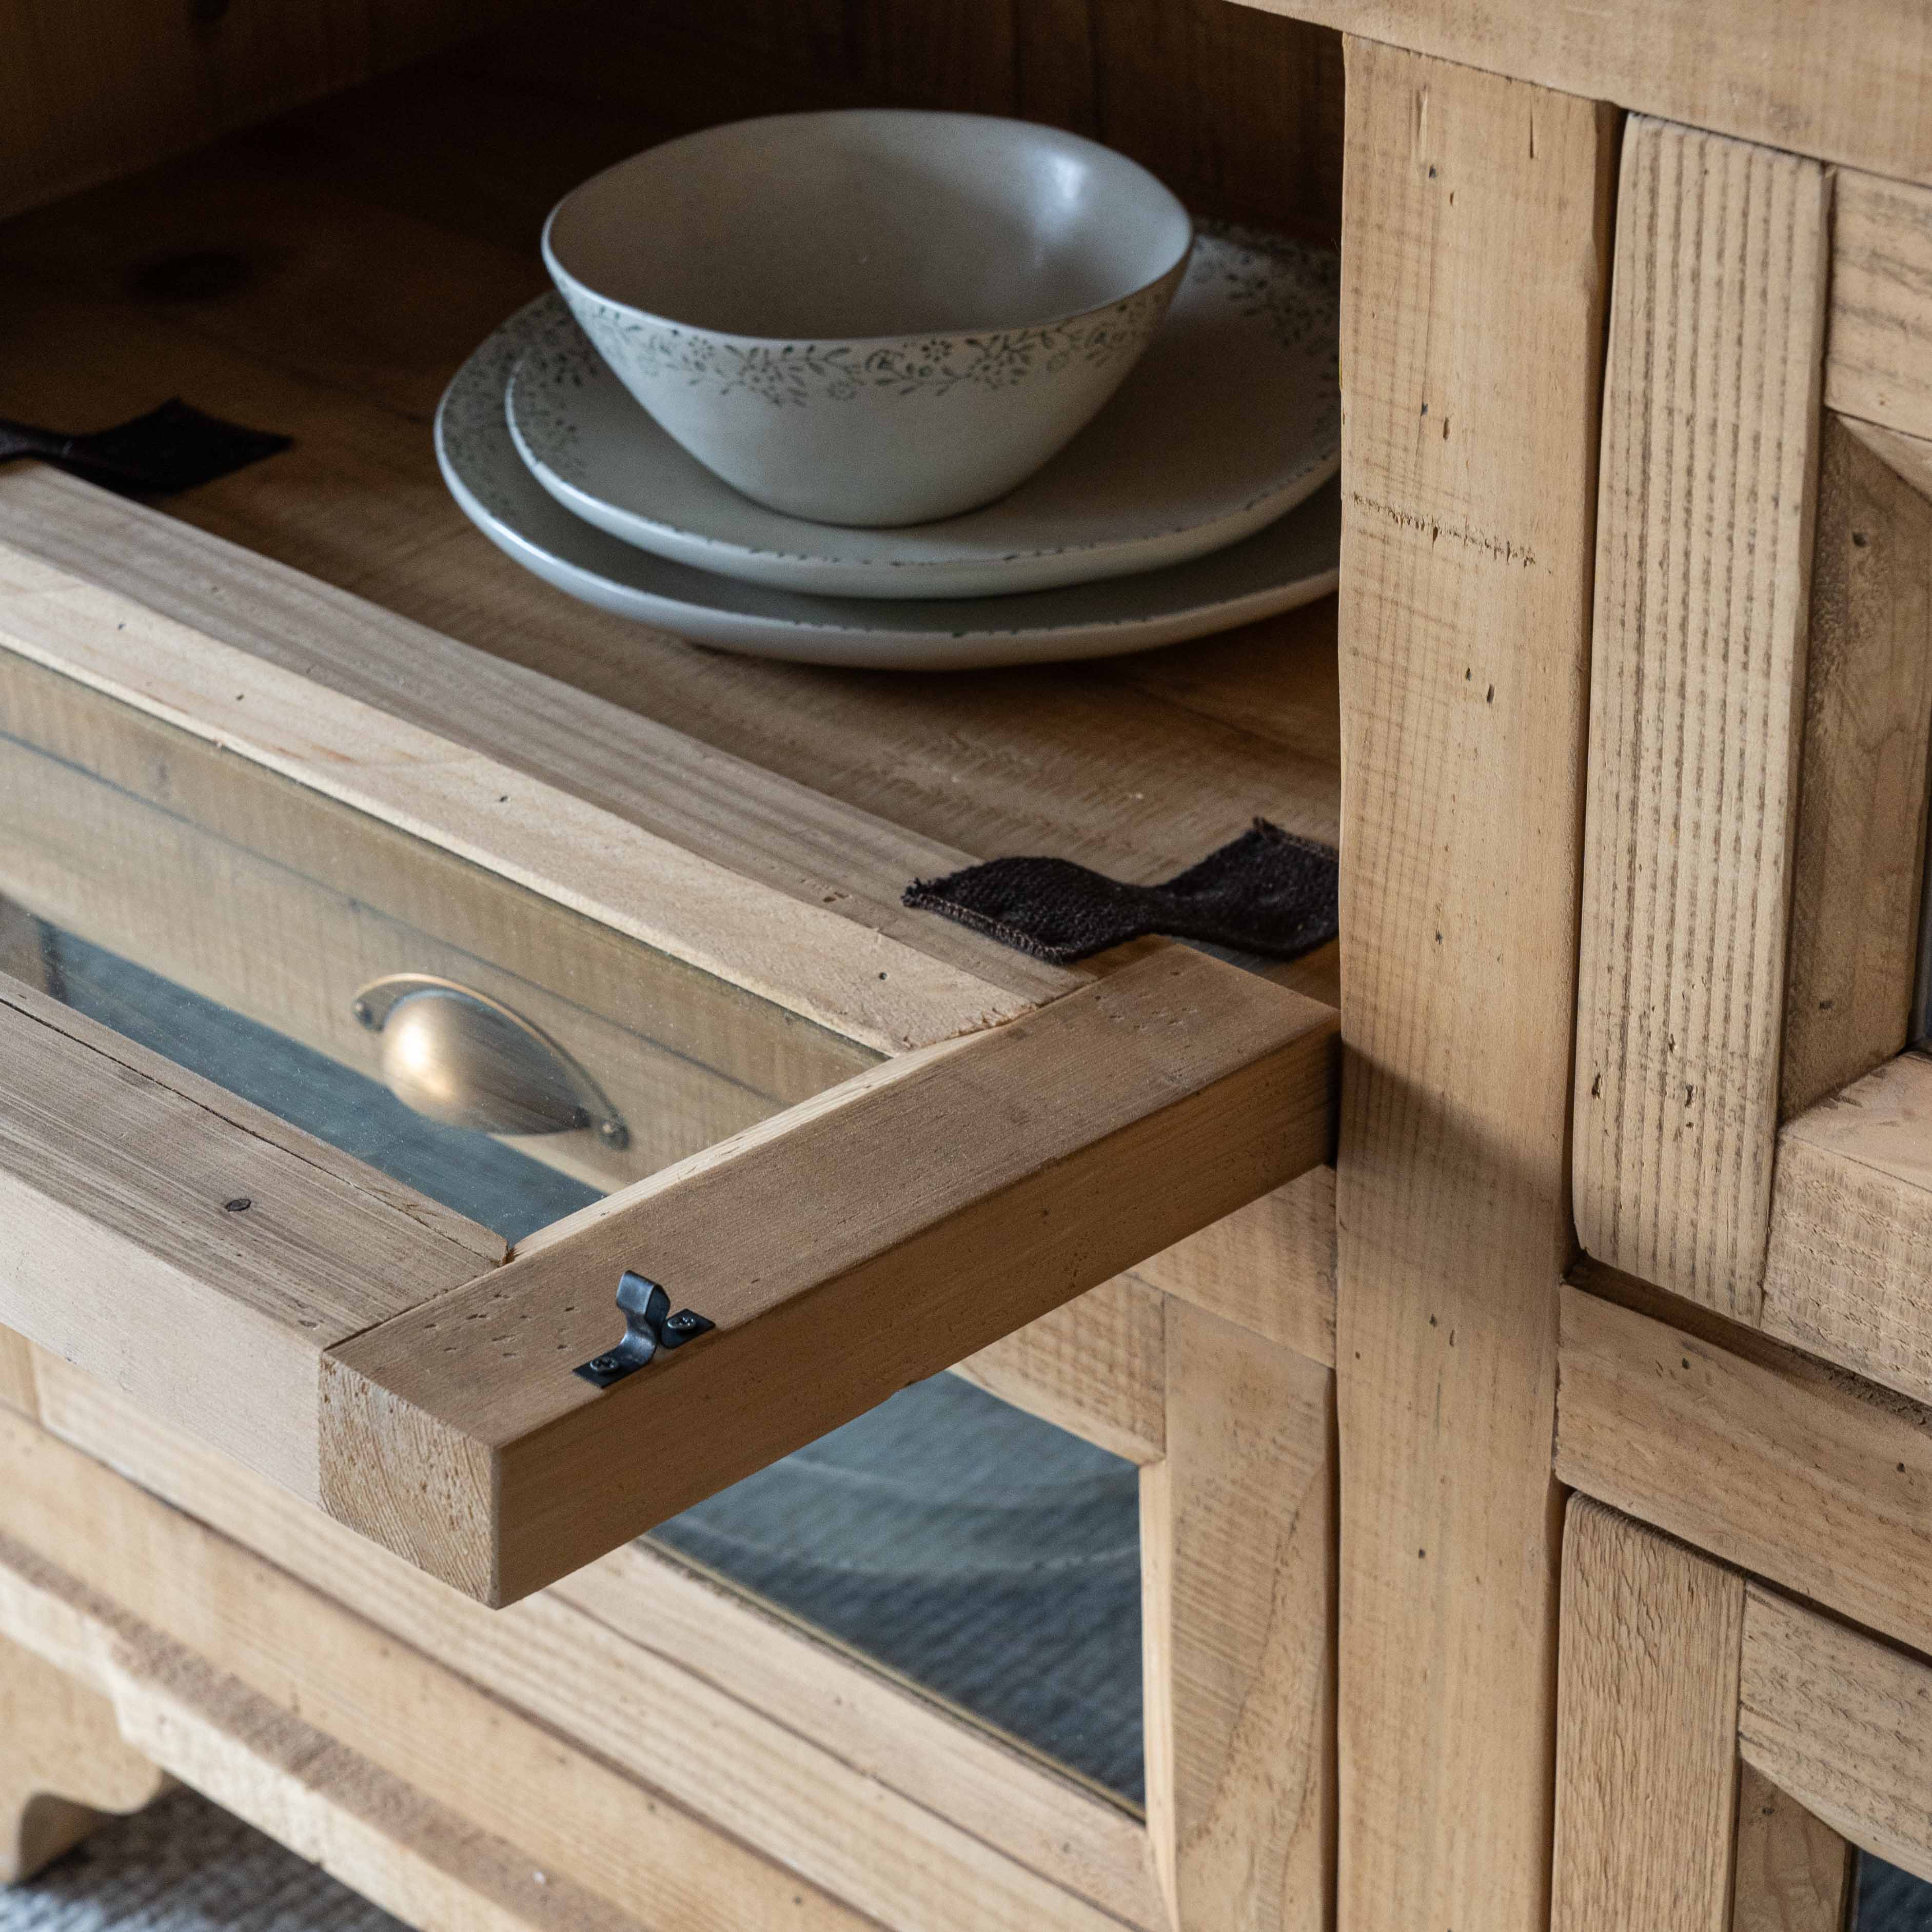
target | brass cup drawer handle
x=461, y=1058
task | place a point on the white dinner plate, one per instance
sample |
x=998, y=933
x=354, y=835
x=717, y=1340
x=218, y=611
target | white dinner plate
x=1231, y=418
x=1290, y=562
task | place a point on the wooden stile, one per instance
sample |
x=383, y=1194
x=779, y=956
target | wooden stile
x=1647, y=1727
x=1469, y=452
x=1791, y=1873
x=1697, y=683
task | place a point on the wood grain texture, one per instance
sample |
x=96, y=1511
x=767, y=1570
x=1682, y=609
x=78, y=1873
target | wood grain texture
x=1842, y=1722
x=1095, y=1366
x=1881, y=328
x=65, y=1767
x=117, y=1172
x=16, y=1373
x=1850, y=80
x=98, y=87
x=652, y=1703
x=398, y=1849
x=1849, y=1273
x=1792, y=1872
x=1697, y=686
x=1790, y=1469
x=876, y=1234
x=1238, y=1554
x=1909, y=457
x=1859, y=856
x=487, y=761
x=1465, y=569
x=280, y=903
x=1647, y=1728
x=1269, y=1267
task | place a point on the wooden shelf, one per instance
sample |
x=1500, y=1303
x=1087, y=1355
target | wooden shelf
x=325, y=275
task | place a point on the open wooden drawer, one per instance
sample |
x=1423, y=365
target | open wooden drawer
x=210, y=776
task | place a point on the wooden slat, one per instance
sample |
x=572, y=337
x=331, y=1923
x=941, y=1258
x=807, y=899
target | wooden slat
x=1850, y=80
x=1791, y=1470
x=1848, y=1274
x=16, y=1373
x=1237, y=1556
x=1881, y=329
x=707, y=861
x=879, y=1233
x=1909, y=457
x=1859, y=854
x=117, y=1170
x=1269, y=1267
x=1697, y=683
x=411, y=1856
x=1096, y=1366
x=94, y=88
x=1792, y=1872
x=65, y=1767
x=1466, y=573
x=738, y=1718
x=1842, y=1724
x=1647, y=1728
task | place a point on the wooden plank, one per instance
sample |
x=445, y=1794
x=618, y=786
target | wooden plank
x=1909, y=457
x=1841, y=1723
x=603, y=1738
x=1859, y=856
x=1647, y=1728
x=16, y=1373
x=1697, y=684
x=877, y=1233
x=306, y=680
x=1793, y=1872
x=1881, y=325
x=98, y=87
x=401, y=1852
x=65, y=1767
x=1850, y=1257
x=1850, y=80
x=1238, y=1555
x=1466, y=549
x=1269, y=1267
x=1097, y=1365
x=189, y=1247
x=1790, y=1469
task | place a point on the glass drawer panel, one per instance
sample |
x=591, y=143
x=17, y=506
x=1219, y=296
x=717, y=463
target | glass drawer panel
x=228, y=919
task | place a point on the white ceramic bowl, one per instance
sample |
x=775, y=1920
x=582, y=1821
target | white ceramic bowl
x=872, y=317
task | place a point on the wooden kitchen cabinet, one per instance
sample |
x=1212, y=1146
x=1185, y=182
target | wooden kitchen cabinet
x=1620, y=720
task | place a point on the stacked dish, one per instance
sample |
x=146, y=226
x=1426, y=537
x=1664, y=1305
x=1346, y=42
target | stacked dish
x=914, y=390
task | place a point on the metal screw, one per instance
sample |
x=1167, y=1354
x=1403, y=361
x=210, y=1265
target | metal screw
x=613, y=1133
x=361, y=1011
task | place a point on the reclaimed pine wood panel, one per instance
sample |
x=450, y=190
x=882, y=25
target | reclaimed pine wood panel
x=65, y=1767
x=1843, y=1723
x=1859, y=854
x=1697, y=685
x=1850, y=80
x=1881, y=327
x=1647, y=1728
x=1791, y=1872
x=1469, y=447
x=878, y=1807
x=1773, y=1461
x=876, y=1234
x=1238, y=1557
x=190, y=1247
x=1848, y=1274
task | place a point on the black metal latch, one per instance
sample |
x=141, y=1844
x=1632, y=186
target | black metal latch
x=650, y=1326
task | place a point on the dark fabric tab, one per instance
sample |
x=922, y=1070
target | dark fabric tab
x=1267, y=892
x=175, y=447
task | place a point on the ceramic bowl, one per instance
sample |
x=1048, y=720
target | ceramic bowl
x=871, y=317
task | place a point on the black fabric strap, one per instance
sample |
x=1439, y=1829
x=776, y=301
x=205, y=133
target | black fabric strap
x=1266, y=892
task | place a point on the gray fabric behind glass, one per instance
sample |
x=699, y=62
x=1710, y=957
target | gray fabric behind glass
x=1892, y=1900
x=988, y=1556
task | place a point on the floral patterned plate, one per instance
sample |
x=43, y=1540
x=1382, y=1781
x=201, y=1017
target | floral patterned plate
x=1290, y=561
x=1232, y=418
